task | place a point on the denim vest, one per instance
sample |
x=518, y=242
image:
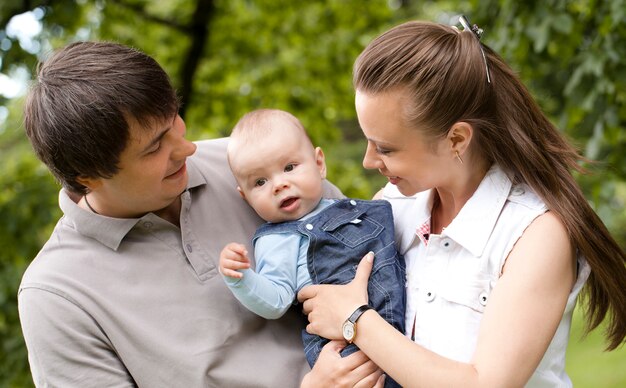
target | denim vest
x=339, y=236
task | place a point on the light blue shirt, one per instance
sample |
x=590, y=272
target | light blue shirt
x=281, y=271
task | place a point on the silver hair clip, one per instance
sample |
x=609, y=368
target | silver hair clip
x=478, y=32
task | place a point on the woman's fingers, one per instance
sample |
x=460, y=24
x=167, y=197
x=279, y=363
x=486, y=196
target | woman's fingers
x=363, y=271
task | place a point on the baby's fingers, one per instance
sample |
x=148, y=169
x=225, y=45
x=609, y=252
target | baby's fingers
x=226, y=271
x=229, y=267
x=236, y=252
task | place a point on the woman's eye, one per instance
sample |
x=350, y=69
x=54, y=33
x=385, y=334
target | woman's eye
x=382, y=151
x=290, y=167
x=260, y=182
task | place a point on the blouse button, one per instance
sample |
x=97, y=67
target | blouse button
x=429, y=296
x=147, y=224
x=309, y=227
x=517, y=190
x=482, y=298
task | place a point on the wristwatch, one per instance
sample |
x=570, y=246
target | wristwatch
x=349, y=326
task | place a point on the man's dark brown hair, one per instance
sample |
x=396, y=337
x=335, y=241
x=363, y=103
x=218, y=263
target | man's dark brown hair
x=77, y=112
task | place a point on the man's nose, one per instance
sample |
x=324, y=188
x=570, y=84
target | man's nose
x=183, y=149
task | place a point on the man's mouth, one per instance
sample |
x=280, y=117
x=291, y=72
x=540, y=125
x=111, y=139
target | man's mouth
x=178, y=172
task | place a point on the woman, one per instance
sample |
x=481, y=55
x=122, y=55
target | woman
x=497, y=236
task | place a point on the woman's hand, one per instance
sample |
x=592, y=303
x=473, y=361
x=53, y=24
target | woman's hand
x=328, y=306
x=331, y=370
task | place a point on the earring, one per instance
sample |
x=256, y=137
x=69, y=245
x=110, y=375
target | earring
x=458, y=156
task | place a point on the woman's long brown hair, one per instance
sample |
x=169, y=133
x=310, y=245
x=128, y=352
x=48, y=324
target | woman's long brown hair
x=444, y=71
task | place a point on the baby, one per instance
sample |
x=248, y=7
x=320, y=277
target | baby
x=308, y=239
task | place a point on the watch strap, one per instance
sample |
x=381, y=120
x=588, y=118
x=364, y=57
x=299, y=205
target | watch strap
x=358, y=312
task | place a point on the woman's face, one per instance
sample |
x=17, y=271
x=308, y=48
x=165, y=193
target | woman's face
x=398, y=151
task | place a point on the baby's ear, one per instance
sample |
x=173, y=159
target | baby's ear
x=320, y=161
x=241, y=193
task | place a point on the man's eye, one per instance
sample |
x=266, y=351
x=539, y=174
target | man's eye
x=260, y=182
x=290, y=167
x=155, y=149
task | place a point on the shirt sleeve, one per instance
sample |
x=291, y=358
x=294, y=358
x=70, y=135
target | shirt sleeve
x=271, y=290
x=66, y=347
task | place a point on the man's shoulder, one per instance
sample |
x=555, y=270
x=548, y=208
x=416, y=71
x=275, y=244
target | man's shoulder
x=209, y=164
x=55, y=257
x=211, y=148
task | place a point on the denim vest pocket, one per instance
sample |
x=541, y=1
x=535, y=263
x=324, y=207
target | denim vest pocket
x=353, y=228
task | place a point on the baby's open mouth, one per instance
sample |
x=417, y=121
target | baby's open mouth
x=288, y=201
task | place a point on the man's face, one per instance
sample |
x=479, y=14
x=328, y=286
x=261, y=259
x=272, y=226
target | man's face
x=152, y=174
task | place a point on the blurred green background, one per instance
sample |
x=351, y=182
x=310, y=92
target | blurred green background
x=227, y=57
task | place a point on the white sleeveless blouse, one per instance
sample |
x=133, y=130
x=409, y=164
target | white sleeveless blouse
x=450, y=279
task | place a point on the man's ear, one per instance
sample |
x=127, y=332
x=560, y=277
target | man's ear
x=320, y=161
x=243, y=195
x=92, y=184
x=460, y=136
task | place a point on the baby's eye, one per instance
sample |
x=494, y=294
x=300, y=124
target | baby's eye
x=290, y=167
x=260, y=182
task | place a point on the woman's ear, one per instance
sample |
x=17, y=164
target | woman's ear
x=320, y=161
x=460, y=137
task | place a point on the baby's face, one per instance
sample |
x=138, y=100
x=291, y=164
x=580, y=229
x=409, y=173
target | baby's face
x=280, y=176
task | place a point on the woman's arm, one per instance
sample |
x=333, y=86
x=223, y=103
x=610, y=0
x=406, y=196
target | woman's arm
x=518, y=324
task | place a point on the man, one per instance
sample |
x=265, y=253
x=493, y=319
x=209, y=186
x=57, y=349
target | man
x=126, y=291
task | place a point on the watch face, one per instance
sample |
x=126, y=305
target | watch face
x=348, y=331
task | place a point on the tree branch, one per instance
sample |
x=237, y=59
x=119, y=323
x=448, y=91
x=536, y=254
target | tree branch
x=141, y=12
x=199, y=28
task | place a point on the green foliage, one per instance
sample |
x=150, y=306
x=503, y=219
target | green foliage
x=298, y=56
x=28, y=212
x=586, y=362
x=570, y=53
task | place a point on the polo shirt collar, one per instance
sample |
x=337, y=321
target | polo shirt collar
x=107, y=230
x=196, y=178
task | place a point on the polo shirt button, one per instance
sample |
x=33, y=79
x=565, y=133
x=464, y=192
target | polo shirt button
x=352, y=202
x=429, y=296
x=147, y=224
x=482, y=298
x=309, y=227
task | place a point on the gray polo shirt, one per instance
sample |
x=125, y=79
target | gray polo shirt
x=139, y=302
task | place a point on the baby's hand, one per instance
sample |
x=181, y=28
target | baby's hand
x=233, y=257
